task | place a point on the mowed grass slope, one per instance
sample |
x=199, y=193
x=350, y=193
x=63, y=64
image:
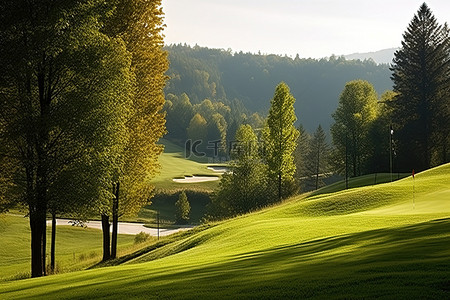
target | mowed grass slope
x=76, y=247
x=360, y=243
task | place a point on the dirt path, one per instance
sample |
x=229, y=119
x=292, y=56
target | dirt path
x=125, y=228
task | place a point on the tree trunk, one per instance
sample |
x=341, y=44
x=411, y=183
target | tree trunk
x=37, y=226
x=53, y=244
x=279, y=187
x=106, y=240
x=44, y=247
x=115, y=221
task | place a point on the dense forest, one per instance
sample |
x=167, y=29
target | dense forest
x=246, y=81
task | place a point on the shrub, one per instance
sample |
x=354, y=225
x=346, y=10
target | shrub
x=141, y=237
x=182, y=209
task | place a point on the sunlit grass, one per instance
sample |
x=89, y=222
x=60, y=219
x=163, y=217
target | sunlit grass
x=175, y=165
x=361, y=243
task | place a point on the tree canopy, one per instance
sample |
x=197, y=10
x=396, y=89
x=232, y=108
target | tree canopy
x=280, y=137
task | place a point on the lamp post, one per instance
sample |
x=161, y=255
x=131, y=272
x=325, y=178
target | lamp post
x=391, y=134
x=346, y=160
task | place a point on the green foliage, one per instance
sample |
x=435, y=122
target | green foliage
x=198, y=130
x=140, y=24
x=301, y=158
x=246, y=187
x=318, y=158
x=280, y=138
x=164, y=203
x=379, y=136
x=353, y=117
x=66, y=88
x=141, y=237
x=182, y=209
x=250, y=78
x=420, y=74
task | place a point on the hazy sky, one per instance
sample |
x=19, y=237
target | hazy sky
x=311, y=28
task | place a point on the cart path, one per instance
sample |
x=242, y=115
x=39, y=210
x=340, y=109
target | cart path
x=125, y=227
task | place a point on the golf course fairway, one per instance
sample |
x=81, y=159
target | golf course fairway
x=389, y=240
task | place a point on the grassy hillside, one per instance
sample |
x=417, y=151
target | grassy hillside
x=365, y=180
x=360, y=243
x=76, y=247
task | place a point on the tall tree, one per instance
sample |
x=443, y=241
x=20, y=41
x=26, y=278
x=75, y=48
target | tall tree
x=301, y=156
x=380, y=139
x=281, y=136
x=63, y=88
x=353, y=117
x=197, y=132
x=140, y=24
x=421, y=79
x=318, y=156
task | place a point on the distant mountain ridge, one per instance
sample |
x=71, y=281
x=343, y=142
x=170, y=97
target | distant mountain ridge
x=384, y=56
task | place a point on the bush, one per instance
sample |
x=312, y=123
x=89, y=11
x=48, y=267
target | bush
x=164, y=201
x=182, y=209
x=141, y=237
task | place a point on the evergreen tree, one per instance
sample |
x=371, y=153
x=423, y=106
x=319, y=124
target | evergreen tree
x=280, y=137
x=421, y=81
x=182, y=209
x=301, y=156
x=318, y=156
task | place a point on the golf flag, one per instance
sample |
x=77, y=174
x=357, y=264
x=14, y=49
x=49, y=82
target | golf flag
x=413, y=173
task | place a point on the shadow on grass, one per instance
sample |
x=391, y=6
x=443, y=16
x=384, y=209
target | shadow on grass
x=395, y=263
x=392, y=262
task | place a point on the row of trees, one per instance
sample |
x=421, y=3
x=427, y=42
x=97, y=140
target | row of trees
x=407, y=128
x=82, y=95
x=404, y=129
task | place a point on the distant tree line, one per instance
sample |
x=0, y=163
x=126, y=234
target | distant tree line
x=207, y=121
x=247, y=80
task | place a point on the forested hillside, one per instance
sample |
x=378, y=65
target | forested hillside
x=221, y=75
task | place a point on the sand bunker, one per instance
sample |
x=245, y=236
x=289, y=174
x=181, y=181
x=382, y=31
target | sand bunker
x=195, y=179
x=218, y=169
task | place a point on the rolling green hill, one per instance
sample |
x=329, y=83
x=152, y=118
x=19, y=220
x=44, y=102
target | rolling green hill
x=365, y=242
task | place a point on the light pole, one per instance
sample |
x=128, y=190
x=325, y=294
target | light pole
x=391, y=134
x=346, y=160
